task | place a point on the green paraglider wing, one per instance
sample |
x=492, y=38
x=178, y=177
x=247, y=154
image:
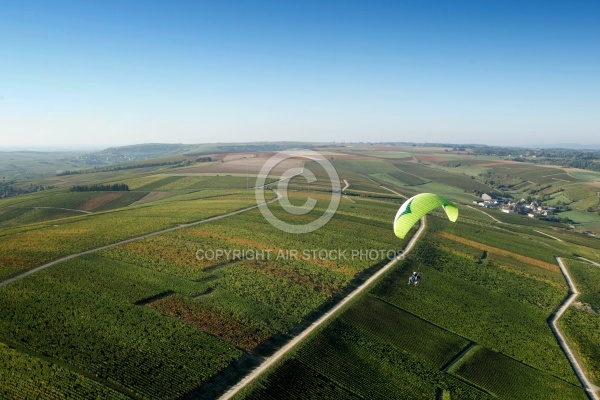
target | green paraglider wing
x=414, y=208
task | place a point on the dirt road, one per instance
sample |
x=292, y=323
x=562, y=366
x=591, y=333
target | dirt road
x=324, y=318
x=491, y=216
x=590, y=389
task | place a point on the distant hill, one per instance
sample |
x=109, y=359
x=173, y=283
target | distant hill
x=255, y=146
x=145, y=150
x=569, y=146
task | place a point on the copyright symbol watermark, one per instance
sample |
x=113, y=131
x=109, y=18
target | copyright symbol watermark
x=282, y=190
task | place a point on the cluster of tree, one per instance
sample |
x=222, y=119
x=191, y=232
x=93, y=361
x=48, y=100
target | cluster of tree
x=584, y=164
x=501, y=182
x=7, y=189
x=115, y=187
x=68, y=172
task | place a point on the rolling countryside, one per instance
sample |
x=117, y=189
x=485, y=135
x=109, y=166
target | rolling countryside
x=179, y=286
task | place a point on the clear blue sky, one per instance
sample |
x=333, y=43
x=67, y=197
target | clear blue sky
x=124, y=72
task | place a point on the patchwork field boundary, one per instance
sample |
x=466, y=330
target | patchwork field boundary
x=490, y=249
x=459, y=356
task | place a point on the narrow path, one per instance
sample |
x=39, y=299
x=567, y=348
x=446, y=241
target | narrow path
x=590, y=388
x=589, y=261
x=489, y=215
x=345, y=187
x=544, y=233
x=268, y=362
x=108, y=246
x=393, y=191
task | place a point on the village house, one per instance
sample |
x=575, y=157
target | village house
x=489, y=197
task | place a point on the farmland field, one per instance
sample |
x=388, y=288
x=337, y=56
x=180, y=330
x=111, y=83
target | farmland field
x=223, y=308
x=21, y=375
x=38, y=243
x=90, y=322
x=584, y=220
x=585, y=175
x=441, y=176
x=185, y=313
x=357, y=364
x=509, y=379
x=10, y=216
x=488, y=309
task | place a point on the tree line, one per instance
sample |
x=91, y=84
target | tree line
x=115, y=187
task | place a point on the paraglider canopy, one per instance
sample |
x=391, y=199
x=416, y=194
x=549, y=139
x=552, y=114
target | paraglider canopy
x=414, y=208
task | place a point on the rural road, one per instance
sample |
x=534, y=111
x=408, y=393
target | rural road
x=345, y=187
x=550, y=236
x=268, y=362
x=393, y=191
x=489, y=215
x=590, y=389
x=108, y=246
x=589, y=261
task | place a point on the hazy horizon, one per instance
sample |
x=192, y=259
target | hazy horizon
x=58, y=149
x=97, y=75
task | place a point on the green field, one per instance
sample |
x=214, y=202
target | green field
x=24, y=376
x=506, y=378
x=585, y=175
x=90, y=321
x=488, y=309
x=432, y=344
x=31, y=245
x=346, y=362
x=583, y=220
x=443, y=177
x=158, y=285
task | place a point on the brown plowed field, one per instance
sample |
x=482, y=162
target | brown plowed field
x=99, y=201
x=251, y=165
